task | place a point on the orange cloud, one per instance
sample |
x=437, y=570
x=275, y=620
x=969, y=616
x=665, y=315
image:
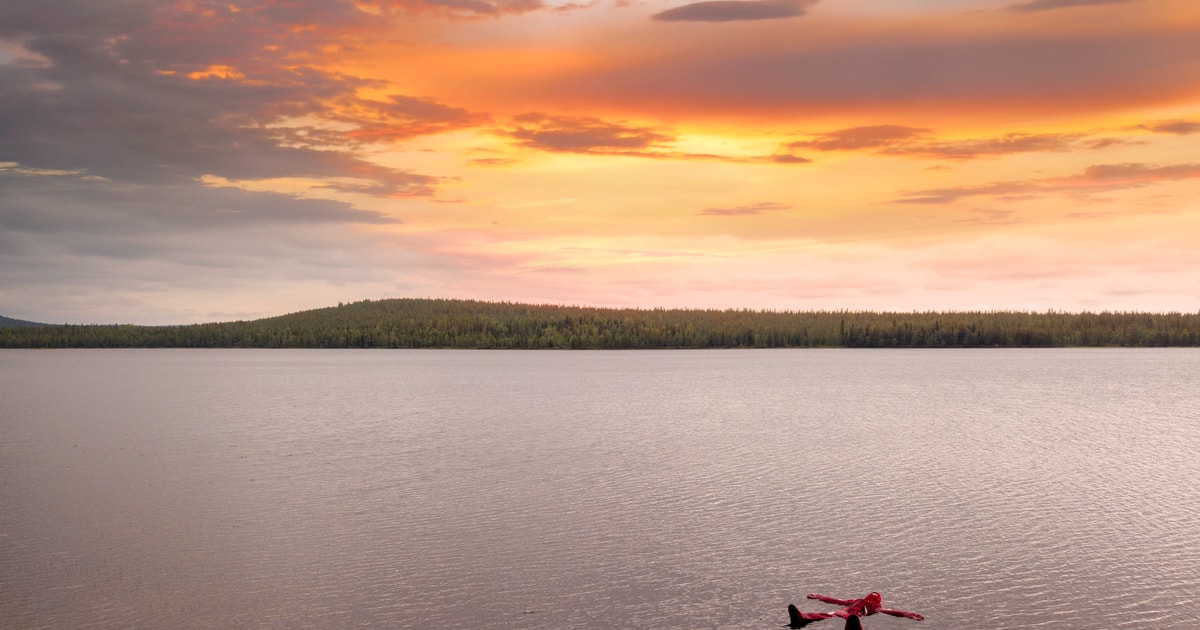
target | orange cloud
x=215, y=72
x=585, y=135
x=401, y=118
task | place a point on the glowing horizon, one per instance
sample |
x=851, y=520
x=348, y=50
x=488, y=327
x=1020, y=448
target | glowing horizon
x=177, y=162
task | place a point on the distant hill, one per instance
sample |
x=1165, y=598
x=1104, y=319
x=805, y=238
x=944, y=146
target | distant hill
x=427, y=323
x=8, y=322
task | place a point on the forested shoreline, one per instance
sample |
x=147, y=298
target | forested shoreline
x=437, y=323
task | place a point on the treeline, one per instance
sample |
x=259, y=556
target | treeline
x=427, y=323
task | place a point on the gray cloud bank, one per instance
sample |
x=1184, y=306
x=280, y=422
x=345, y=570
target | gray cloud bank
x=111, y=100
x=113, y=114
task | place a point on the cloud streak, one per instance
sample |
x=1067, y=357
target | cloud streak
x=593, y=136
x=745, y=211
x=860, y=138
x=1094, y=179
x=1007, y=144
x=1050, y=5
x=735, y=10
x=1176, y=127
x=898, y=140
x=457, y=8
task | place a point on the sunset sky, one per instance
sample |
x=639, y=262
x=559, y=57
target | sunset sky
x=169, y=162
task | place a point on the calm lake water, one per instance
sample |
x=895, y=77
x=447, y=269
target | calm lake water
x=986, y=489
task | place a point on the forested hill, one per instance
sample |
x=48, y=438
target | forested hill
x=8, y=322
x=425, y=323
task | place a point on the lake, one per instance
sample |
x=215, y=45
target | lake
x=992, y=489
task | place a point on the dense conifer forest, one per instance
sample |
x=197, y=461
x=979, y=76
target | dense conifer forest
x=431, y=323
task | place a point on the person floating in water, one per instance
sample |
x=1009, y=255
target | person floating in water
x=869, y=605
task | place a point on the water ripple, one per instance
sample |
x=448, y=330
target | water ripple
x=534, y=490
